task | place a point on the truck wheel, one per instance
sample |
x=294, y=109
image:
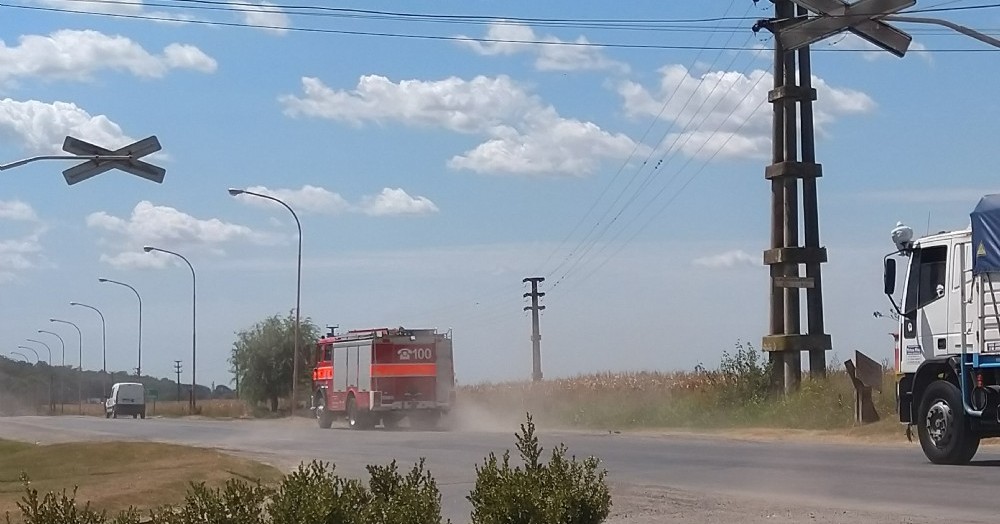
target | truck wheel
x=107, y=414
x=323, y=417
x=425, y=421
x=390, y=422
x=353, y=417
x=943, y=426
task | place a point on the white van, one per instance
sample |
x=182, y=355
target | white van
x=127, y=398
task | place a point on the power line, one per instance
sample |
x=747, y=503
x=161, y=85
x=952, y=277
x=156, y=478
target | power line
x=625, y=164
x=432, y=37
x=586, y=245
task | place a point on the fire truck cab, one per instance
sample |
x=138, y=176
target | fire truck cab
x=383, y=375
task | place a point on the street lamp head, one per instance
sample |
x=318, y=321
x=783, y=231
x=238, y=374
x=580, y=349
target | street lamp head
x=234, y=191
x=99, y=279
x=75, y=304
x=148, y=248
x=52, y=320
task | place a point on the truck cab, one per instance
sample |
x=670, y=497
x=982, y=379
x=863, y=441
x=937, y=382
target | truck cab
x=127, y=398
x=948, y=345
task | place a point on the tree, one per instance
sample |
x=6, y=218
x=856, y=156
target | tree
x=262, y=357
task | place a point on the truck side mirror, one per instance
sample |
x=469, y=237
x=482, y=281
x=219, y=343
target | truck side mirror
x=889, y=276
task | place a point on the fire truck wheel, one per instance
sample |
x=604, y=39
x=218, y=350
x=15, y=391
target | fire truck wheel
x=390, y=421
x=943, y=427
x=323, y=417
x=355, y=419
x=425, y=421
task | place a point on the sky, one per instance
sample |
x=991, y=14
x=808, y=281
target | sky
x=437, y=153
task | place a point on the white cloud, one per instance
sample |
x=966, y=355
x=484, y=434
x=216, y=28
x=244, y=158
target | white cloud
x=118, y=7
x=547, y=144
x=165, y=227
x=17, y=210
x=185, y=56
x=312, y=199
x=524, y=135
x=872, y=52
x=552, y=54
x=122, y=7
x=729, y=259
x=265, y=15
x=76, y=55
x=397, y=202
x=41, y=128
x=719, y=112
x=22, y=252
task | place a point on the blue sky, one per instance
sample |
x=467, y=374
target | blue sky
x=431, y=175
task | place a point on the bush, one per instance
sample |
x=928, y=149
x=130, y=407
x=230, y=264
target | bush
x=743, y=378
x=314, y=494
x=59, y=508
x=395, y=499
x=559, y=492
x=238, y=502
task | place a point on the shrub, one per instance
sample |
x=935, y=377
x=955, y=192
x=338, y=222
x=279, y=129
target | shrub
x=58, y=508
x=238, y=502
x=395, y=499
x=314, y=494
x=745, y=377
x=562, y=491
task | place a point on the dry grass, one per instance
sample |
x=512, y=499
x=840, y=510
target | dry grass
x=213, y=408
x=116, y=475
x=692, y=400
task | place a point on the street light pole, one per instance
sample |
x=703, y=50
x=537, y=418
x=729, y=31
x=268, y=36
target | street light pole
x=104, y=346
x=192, y=403
x=49, y=361
x=52, y=405
x=79, y=383
x=138, y=369
x=22, y=355
x=62, y=408
x=298, y=291
x=38, y=357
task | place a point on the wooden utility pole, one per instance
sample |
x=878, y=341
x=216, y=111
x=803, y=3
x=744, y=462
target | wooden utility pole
x=796, y=25
x=536, y=337
x=177, y=369
x=785, y=340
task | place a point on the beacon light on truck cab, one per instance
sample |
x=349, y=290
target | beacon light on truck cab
x=948, y=356
x=383, y=375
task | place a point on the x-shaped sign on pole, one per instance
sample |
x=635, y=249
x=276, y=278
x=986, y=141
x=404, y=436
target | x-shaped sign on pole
x=125, y=158
x=835, y=16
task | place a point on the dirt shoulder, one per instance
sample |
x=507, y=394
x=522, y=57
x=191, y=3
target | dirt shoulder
x=658, y=505
x=115, y=475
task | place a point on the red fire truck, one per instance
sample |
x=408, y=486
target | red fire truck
x=373, y=375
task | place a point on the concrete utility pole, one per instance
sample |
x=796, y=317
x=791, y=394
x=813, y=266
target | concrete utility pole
x=177, y=369
x=536, y=337
x=795, y=29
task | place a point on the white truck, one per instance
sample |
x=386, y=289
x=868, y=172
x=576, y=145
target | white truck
x=948, y=353
x=127, y=398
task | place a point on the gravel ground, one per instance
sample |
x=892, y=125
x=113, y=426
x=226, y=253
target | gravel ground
x=656, y=505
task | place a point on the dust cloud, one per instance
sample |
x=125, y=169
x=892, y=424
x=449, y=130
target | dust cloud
x=471, y=416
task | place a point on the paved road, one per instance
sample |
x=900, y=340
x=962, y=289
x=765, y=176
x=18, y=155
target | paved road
x=885, y=479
